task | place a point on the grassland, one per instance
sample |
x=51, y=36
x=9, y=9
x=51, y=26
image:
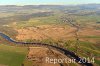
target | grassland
x=12, y=56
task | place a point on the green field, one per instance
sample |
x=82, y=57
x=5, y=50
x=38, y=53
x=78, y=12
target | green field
x=11, y=55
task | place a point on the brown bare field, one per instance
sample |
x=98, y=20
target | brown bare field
x=45, y=32
x=89, y=32
x=38, y=55
x=55, y=32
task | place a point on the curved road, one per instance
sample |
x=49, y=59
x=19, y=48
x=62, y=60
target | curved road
x=65, y=51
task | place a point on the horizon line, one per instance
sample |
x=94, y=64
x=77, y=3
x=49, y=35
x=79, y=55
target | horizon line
x=45, y=4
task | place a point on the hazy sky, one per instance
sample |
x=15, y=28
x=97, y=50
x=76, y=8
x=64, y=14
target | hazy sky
x=39, y=2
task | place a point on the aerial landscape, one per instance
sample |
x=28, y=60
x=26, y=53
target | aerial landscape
x=49, y=34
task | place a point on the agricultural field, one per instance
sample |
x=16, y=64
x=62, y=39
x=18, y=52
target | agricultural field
x=12, y=56
x=76, y=28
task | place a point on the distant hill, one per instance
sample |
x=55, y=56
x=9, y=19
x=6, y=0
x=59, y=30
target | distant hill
x=14, y=8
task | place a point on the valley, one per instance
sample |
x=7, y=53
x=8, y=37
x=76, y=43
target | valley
x=75, y=28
